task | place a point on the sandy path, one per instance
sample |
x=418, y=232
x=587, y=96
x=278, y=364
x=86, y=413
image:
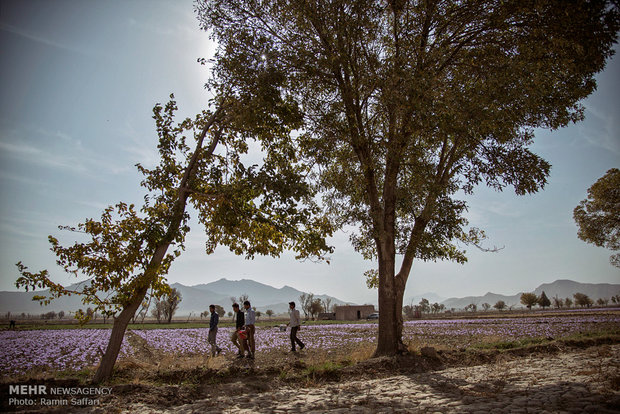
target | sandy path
x=572, y=382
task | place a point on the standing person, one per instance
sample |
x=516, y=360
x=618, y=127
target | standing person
x=295, y=323
x=236, y=339
x=250, y=319
x=215, y=319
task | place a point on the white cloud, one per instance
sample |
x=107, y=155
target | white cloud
x=56, y=150
x=22, y=232
x=45, y=40
x=140, y=149
x=19, y=149
x=602, y=128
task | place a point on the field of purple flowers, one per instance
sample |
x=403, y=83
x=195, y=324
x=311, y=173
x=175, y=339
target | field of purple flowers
x=71, y=350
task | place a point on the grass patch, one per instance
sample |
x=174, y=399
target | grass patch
x=576, y=339
x=519, y=343
x=324, y=370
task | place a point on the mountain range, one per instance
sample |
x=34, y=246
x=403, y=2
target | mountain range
x=197, y=298
x=561, y=288
x=194, y=299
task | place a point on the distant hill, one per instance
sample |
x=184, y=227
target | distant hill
x=561, y=288
x=430, y=296
x=262, y=296
x=195, y=299
x=566, y=288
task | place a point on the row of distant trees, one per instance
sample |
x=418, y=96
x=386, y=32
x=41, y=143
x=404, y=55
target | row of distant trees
x=579, y=299
x=412, y=311
x=47, y=315
x=527, y=299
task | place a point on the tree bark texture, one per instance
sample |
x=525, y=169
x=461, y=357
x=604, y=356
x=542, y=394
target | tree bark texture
x=106, y=366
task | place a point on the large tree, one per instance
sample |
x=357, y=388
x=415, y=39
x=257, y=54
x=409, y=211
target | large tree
x=253, y=209
x=408, y=105
x=598, y=216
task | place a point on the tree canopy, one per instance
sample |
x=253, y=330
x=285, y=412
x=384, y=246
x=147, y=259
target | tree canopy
x=529, y=299
x=583, y=300
x=409, y=105
x=598, y=216
x=543, y=300
x=253, y=209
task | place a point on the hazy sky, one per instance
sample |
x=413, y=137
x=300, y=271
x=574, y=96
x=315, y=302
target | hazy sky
x=79, y=80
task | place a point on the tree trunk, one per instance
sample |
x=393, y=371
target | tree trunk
x=116, y=338
x=388, y=334
x=120, y=323
x=391, y=292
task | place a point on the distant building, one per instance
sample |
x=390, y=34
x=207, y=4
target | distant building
x=327, y=316
x=353, y=312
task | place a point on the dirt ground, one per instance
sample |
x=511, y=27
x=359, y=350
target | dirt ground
x=552, y=378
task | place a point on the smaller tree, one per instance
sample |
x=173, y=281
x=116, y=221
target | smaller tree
x=242, y=298
x=61, y=314
x=543, y=301
x=583, y=300
x=327, y=304
x=171, y=303
x=486, y=306
x=305, y=302
x=230, y=314
x=568, y=302
x=409, y=311
x=557, y=302
x=219, y=309
x=500, y=305
x=158, y=310
x=602, y=301
x=258, y=314
x=269, y=313
x=471, y=307
x=529, y=300
x=597, y=216
x=425, y=306
x=316, y=307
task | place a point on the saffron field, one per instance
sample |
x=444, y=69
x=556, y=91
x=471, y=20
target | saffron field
x=67, y=350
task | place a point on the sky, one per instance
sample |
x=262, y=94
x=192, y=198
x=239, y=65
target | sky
x=78, y=83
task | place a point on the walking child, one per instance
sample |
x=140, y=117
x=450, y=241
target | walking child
x=236, y=339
